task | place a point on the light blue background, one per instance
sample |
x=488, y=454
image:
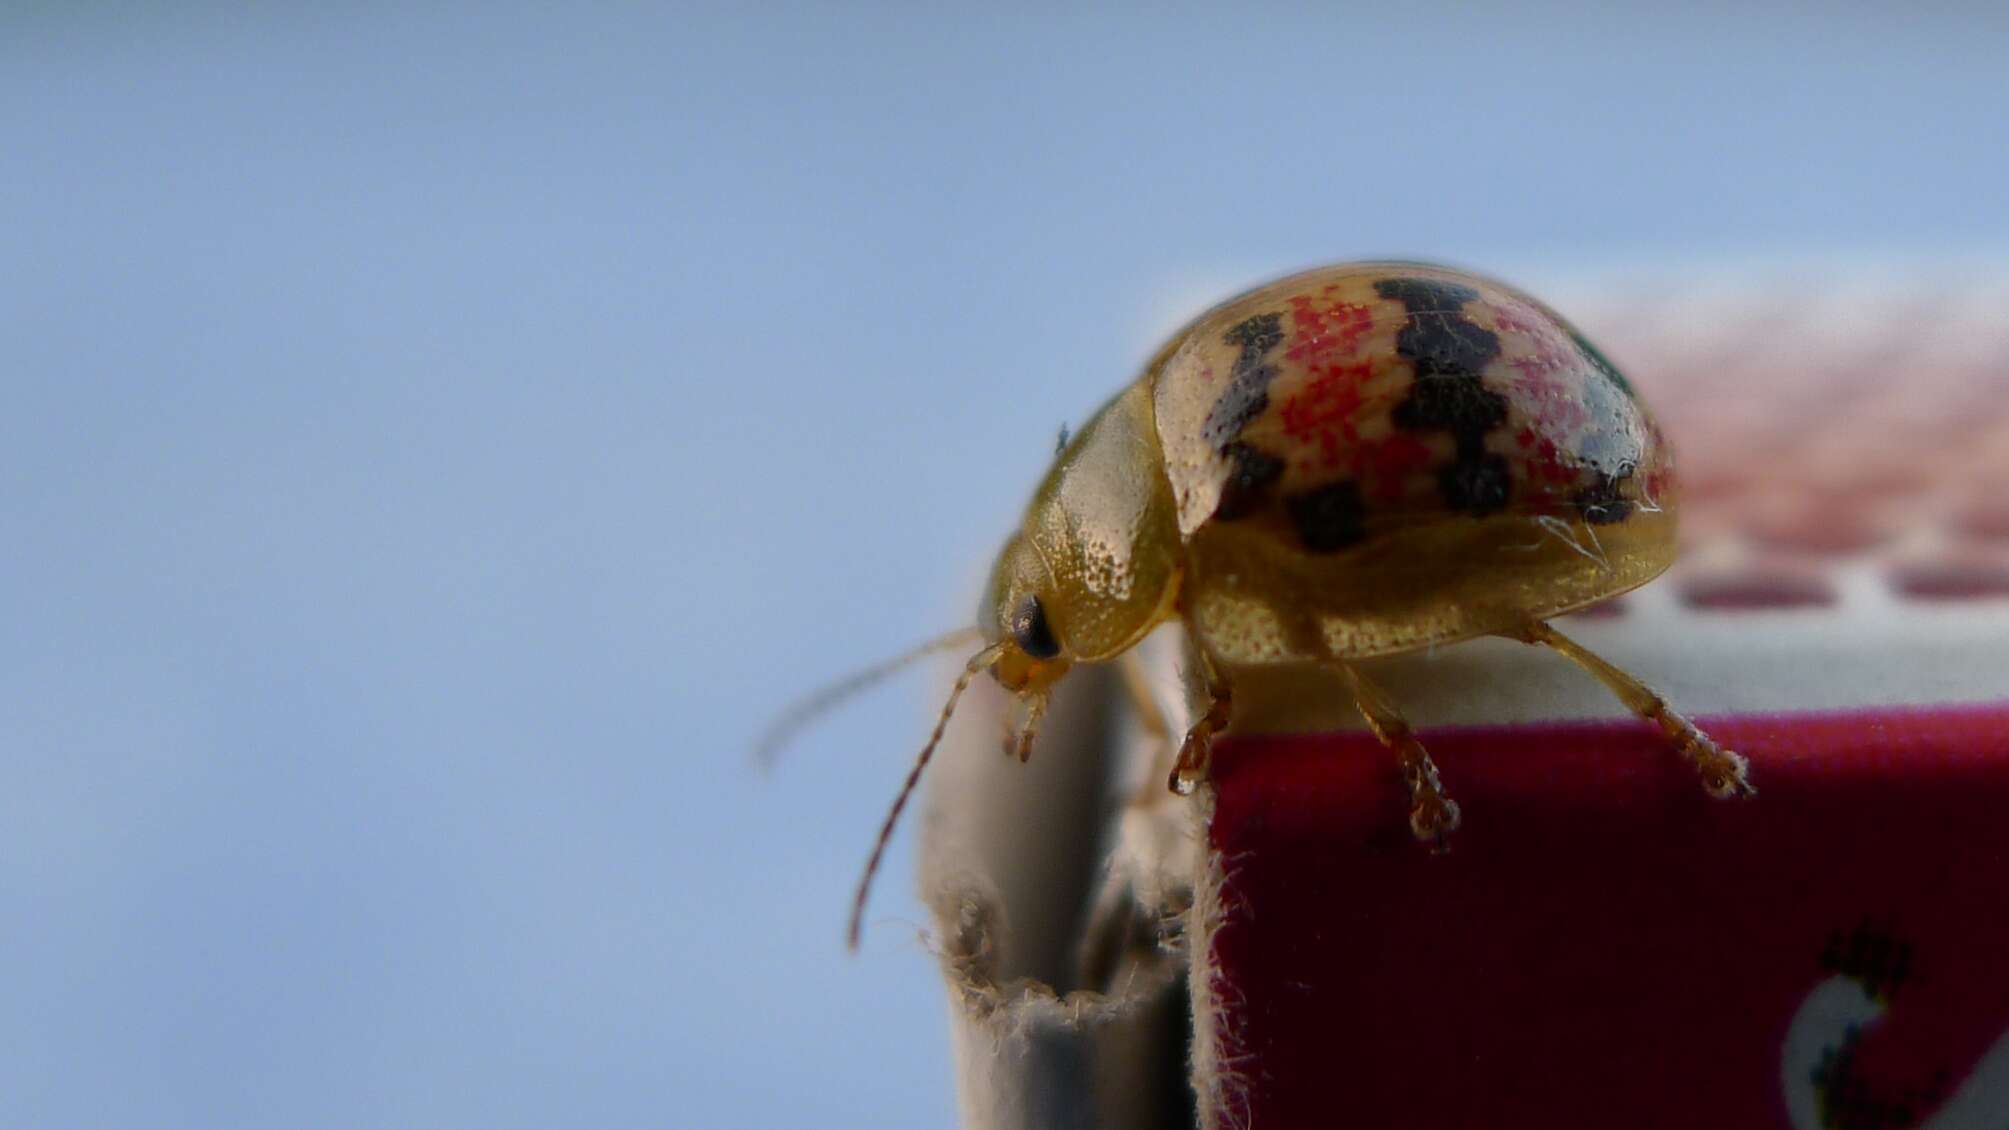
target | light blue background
x=434, y=437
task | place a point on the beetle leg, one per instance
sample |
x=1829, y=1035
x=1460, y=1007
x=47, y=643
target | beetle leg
x=1150, y=719
x=1433, y=816
x=1724, y=774
x=1028, y=728
x=1194, y=752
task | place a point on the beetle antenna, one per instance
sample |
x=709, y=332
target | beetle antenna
x=807, y=709
x=977, y=664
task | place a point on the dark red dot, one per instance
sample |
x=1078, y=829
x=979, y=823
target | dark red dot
x=1757, y=587
x=1967, y=577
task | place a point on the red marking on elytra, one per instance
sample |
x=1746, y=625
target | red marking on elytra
x=1391, y=462
x=1547, y=464
x=1326, y=330
x=1323, y=411
x=1326, y=413
x=1656, y=483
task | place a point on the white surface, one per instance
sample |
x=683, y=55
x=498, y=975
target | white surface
x=1869, y=650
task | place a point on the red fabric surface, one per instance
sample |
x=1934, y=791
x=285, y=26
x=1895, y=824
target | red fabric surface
x=1605, y=945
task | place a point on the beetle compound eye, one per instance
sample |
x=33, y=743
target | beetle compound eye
x=1031, y=632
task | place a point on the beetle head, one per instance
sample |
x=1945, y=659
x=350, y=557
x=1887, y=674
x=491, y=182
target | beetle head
x=1014, y=616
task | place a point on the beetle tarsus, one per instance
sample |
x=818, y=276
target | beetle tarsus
x=1433, y=817
x=1196, y=752
x=1194, y=757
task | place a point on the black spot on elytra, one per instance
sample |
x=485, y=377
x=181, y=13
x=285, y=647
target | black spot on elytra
x=1475, y=486
x=1250, y=473
x=1248, y=391
x=1425, y=294
x=1449, y=352
x=1459, y=405
x=1329, y=518
x=1603, y=502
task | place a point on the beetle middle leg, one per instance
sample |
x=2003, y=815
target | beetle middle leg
x=1150, y=719
x=1433, y=816
x=1724, y=774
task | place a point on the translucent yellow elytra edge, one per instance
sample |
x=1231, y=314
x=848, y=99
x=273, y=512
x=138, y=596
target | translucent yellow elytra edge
x=1354, y=461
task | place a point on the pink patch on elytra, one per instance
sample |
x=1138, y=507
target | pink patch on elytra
x=1548, y=398
x=1552, y=402
x=1513, y=318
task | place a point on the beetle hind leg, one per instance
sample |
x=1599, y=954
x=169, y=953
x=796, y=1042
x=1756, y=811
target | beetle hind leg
x=1724, y=773
x=1433, y=816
